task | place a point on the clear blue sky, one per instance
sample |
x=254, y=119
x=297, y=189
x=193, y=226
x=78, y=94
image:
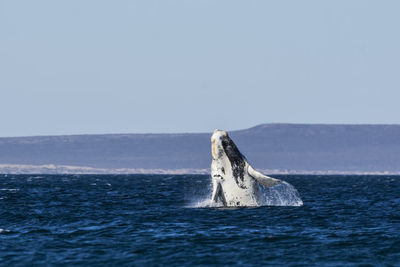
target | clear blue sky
x=72, y=67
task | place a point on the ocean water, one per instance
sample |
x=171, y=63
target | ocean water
x=153, y=220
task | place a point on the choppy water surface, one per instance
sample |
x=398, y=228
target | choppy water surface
x=153, y=220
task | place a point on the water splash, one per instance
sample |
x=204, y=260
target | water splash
x=283, y=194
x=200, y=197
x=204, y=203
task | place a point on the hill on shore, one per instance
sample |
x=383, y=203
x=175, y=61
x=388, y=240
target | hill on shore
x=275, y=147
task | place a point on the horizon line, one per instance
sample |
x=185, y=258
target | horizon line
x=187, y=132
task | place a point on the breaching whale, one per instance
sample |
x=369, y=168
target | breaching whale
x=235, y=182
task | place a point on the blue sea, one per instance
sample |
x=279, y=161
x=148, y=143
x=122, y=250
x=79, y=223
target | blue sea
x=153, y=220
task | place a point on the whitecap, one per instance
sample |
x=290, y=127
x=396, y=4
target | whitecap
x=9, y=189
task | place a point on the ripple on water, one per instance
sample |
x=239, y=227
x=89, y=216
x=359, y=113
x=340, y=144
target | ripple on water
x=145, y=220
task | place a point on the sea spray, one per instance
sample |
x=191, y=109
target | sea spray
x=283, y=194
x=198, y=192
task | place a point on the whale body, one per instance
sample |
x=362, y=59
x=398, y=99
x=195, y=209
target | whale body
x=235, y=182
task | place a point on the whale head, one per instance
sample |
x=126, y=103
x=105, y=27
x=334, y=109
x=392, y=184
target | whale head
x=223, y=146
x=219, y=140
x=225, y=152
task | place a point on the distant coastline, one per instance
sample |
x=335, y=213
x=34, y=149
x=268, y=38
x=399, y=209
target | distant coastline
x=271, y=148
x=64, y=169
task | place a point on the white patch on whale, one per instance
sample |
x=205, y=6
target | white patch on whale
x=236, y=183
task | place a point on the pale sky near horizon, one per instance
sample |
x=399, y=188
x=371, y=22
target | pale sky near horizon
x=76, y=67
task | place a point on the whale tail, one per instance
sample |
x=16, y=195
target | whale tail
x=264, y=180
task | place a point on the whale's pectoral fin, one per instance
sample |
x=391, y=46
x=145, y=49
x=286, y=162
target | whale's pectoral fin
x=264, y=180
x=218, y=195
